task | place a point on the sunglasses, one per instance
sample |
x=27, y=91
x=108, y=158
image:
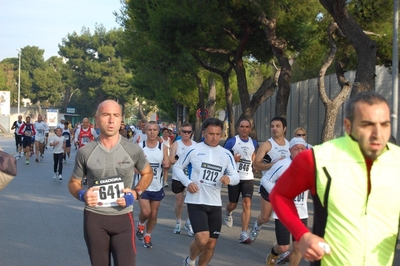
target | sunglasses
x=300, y=135
x=186, y=132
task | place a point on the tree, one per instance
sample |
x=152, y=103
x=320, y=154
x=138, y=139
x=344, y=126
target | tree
x=332, y=106
x=7, y=80
x=96, y=67
x=365, y=47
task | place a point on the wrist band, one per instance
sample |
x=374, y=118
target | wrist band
x=129, y=199
x=81, y=195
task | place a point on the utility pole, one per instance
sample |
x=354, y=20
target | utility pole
x=19, y=78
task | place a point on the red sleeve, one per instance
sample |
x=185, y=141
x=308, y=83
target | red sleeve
x=33, y=130
x=299, y=177
x=21, y=129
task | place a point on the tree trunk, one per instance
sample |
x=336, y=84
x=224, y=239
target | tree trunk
x=229, y=104
x=332, y=106
x=212, y=91
x=141, y=114
x=279, y=46
x=266, y=90
x=197, y=133
x=364, y=46
x=228, y=93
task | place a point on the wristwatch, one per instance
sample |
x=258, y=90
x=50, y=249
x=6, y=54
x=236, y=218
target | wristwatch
x=138, y=193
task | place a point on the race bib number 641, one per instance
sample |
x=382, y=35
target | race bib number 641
x=110, y=189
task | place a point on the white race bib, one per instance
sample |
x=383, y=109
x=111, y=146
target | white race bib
x=243, y=165
x=211, y=174
x=110, y=189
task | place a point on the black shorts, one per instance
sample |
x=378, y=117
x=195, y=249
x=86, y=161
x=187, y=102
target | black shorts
x=26, y=141
x=205, y=218
x=282, y=234
x=264, y=193
x=18, y=140
x=177, y=186
x=246, y=187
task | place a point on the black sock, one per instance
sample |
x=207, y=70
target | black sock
x=273, y=252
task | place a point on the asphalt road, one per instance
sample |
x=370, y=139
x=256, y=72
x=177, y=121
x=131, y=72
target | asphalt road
x=41, y=224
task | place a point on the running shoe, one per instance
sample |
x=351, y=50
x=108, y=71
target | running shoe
x=55, y=175
x=228, y=220
x=64, y=161
x=36, y=160
x=27, y=162
x=59, y=177
x=271, y=259
x=283, y=258
x=185, y=263
x=177, y=229
x=244, y=238
x=189, y=229
x=140, y=232
x=166, y=184
x=254, y=233
x=147, y=242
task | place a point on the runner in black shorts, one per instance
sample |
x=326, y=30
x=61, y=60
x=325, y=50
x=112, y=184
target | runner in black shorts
x=213, y=167
x=208, y=218
x=177, y=149
x=243, y=149
x=28, y=131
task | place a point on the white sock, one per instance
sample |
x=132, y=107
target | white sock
x=190, y=262
x=256, y=226
x=188, y=221
x=178, y=221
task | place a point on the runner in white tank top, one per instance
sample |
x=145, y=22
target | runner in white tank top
x=274, y=149
x=156, y=154
x=177, y=150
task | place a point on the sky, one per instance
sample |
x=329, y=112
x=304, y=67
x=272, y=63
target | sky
x=43, y=23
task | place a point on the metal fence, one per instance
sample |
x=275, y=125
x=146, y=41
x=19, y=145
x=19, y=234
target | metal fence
x=305, y=109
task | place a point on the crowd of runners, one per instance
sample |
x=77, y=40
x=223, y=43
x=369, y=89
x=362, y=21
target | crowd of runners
x=117, y=165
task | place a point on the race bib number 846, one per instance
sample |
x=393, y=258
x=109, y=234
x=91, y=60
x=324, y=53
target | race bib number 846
x=110, y=189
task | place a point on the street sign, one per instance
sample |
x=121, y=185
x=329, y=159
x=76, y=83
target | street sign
x=199, y=113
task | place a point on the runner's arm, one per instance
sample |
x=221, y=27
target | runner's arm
x=146, y=178
x=299, y=177
x=165, y=162
x=258, y=161
x=172, y=154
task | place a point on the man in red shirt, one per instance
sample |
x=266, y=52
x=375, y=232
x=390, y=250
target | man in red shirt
x=355, y=188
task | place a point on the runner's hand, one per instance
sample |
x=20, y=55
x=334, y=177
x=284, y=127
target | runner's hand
x=91, y=197
x=193, y=188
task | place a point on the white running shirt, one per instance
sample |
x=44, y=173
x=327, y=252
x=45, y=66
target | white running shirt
x=209, y=165
x=155, y=157
x=179, y=151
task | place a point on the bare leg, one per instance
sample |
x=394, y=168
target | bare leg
x=295, y=255
x=266, y=211
x=152, y=219
x=202, y=246
x=246, y=214
x=179, y=205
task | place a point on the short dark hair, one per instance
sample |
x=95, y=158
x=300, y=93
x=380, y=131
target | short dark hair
x=280, y=118
x=164, y=129
x=369, y=97
x=212, y=122
x=243, y=119
x=186, y=124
